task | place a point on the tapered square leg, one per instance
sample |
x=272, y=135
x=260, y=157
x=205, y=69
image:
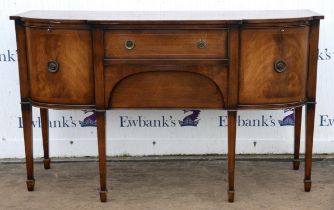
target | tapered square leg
x=103, y=196
x=30, y=184
x=101, y=138
x=45, y=135
x=310, y=112
x=232, y=115
x=298, y=123
x=28, y=145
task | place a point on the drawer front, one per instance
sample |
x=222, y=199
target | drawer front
x=273, y=65
x=165, y=43
x=60, y=66
x=161, y=84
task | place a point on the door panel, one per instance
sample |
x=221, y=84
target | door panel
x=72, y=82
x=265, y=50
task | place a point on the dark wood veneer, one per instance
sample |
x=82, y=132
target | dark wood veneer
x=72, y=49
x=217, y=60
x=165, y=43
x=260, y=48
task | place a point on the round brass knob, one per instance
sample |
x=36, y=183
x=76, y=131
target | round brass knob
x=280, y=66
x=129, y=44
x=201, y=44
x=53, y=66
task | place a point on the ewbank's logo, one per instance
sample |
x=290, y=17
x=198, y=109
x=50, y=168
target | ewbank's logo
x=89, y=121
x=191, y=119
x=325, y=54
x=289, y=119
x=8, y=56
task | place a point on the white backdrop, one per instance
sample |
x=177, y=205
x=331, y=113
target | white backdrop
x=157, y=132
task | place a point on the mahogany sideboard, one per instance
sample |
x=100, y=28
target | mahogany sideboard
x=228, y=60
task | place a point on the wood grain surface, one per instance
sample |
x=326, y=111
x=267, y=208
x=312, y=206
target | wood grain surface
x=166, y=43
x=73, y=83
x=259, y=83
x=162, y=84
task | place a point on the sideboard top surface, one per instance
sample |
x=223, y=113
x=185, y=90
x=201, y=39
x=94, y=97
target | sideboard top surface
x=168, y=16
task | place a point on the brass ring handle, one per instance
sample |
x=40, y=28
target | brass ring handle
x=201, y=44
x=129, y=44
x=53, y=66
x=280, y=66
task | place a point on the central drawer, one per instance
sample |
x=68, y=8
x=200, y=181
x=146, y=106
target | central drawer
x=166, y=84
x=196, y=43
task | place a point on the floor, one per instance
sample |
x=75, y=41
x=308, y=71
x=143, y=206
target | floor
x=168, y=184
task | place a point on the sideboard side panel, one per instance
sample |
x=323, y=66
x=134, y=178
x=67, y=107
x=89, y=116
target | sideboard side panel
x=313, y=61
x=98, y=55
x=22, y=60
x=233, y=71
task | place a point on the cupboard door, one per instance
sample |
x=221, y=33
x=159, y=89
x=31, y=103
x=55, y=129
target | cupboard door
x=273, y=65
x=60, y=66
